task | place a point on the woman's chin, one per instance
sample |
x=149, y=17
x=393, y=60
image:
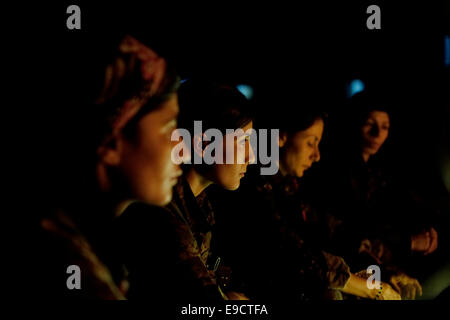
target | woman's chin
x=232, y=186
x=162, y=200
x=300, y=173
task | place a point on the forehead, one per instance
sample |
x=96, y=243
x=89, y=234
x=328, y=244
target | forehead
x=248, y=126
x=168, y=108
x=240, y=132
x=379, y=116
x=166, y=112
x=316, y=129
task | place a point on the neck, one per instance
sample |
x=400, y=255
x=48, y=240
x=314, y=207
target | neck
x=197, y=182
x=365, y=156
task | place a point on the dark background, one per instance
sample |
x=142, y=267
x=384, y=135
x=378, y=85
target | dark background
x=290, y=53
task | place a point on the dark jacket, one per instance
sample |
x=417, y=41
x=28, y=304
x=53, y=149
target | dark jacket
x=167, y=250
x=259, y=237
x=374, y=216
x=62, y=241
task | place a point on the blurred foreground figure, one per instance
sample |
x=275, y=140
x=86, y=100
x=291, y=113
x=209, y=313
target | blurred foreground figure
x=123, y=107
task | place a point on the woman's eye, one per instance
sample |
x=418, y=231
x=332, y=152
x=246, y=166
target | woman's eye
x=168, y=128
x=243, y=141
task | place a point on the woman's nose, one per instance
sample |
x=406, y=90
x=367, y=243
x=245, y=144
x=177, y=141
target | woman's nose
x=251, y=158
x=186, y=157
x=316, y=154
x=181, y=152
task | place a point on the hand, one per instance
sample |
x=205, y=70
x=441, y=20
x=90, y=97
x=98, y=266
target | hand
x=407, y=287
x=434, y=241
x=233, y=295
x=387, y=293
x=425, y=242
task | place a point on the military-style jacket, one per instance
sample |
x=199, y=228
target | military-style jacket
x=61, y=245
x=167, y=251
x=260, y=237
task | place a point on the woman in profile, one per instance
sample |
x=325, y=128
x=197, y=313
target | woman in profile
x=117, y=151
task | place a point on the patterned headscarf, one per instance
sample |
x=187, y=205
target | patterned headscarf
x=135, y=75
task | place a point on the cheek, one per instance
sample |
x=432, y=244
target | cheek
x=164, y=168
x=291, y=159
x=153, y=170
x=385, y=135
x=301, y=155
x=228, y=176
x=365, y=133
x=230, y=157
x=157, y=178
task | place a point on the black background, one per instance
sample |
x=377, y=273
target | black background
x=288, y=52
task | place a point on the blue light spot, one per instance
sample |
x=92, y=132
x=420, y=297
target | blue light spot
x=184, y=80
x=354, y=87
x=447, y=51
x=246, y=90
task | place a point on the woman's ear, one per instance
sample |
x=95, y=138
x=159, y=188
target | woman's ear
x=282, y=140
x=197, y=143
x=109, y=153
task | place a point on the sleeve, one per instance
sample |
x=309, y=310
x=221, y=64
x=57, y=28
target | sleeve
x=162, y=257
x=64, y=247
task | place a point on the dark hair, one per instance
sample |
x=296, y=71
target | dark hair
x=362, y=103
x=217, y=106
x=291, y=123
x=356, y=114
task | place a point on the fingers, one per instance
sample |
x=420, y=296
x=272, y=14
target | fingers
x=394, y=283
x=412, y=295
x=389, y=293
x=419, y=287
x=427, y=238
x=421, y=242
x=393, y=295
x=433, y=241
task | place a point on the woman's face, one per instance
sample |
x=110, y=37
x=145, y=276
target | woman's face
x=146, y=162
x=375, y=132
x=229, y=174
x=300, y=150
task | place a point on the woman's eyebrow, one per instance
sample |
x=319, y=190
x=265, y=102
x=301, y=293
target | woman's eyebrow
x=169, y=122
x=171, y=115
x=316, y=138
x=241, y=137
x=245, y=134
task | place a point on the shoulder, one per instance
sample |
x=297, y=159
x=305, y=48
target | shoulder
x=63, y=245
